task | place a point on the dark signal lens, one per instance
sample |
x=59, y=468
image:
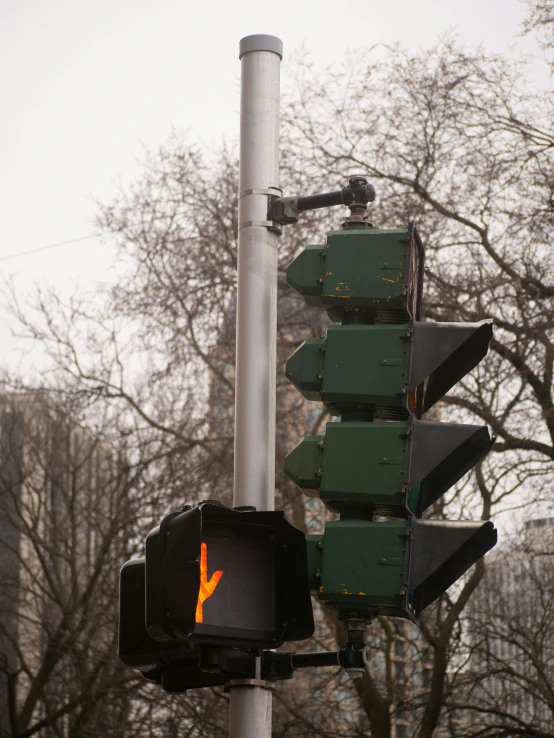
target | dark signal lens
x=239, y=587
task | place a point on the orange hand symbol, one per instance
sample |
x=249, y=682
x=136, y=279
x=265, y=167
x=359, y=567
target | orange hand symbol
x=206, y=587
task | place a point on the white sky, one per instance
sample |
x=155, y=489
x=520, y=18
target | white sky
x=83, y=83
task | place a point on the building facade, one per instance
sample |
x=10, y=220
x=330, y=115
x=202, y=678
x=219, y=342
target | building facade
x=59, y=490
x=511, y=636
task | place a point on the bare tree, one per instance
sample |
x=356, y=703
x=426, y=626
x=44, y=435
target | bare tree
x=455, y=140
x=73, y=508
x=62, y=516
x=507, y=685
x=540, y=19
x=452, y=138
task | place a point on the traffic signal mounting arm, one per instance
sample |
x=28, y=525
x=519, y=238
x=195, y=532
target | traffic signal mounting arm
x=285, y=210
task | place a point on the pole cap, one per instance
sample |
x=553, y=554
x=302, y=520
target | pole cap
x=260, y=42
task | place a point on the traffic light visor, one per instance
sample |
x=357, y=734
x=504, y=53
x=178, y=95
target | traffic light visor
x=444, y=353
x=441, y=552
x=441, y=454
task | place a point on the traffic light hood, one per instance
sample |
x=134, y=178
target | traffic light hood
x=441, y=454
x=443, y=353
x=441, y=552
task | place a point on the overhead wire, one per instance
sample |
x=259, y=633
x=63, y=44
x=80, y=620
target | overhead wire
x=61, y=243
x=50, y=246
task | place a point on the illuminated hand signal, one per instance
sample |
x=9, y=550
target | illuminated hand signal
x=207, y=588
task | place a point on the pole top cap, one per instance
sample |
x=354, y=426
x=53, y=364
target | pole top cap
x=260, y=42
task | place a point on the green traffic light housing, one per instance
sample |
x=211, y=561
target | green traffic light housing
x=367, y=273
x=366, y=568
x=388, y=468
x=379, y=365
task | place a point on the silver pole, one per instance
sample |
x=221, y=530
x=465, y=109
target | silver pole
x=250, y=713
x=254, y=482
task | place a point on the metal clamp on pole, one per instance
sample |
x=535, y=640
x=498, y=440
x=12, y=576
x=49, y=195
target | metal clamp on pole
x=272, y=193
x=245, y=683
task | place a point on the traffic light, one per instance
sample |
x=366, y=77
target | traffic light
x=386, y=466
x=380, y=370
x=379, y=365
x=395, y=568
x=217, y=575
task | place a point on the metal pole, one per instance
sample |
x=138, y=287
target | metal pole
x=254, y=482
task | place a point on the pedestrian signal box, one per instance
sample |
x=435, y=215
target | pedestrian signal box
x=218, y=575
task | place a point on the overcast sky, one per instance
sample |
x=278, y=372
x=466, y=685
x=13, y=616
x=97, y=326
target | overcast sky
x=84, y=84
